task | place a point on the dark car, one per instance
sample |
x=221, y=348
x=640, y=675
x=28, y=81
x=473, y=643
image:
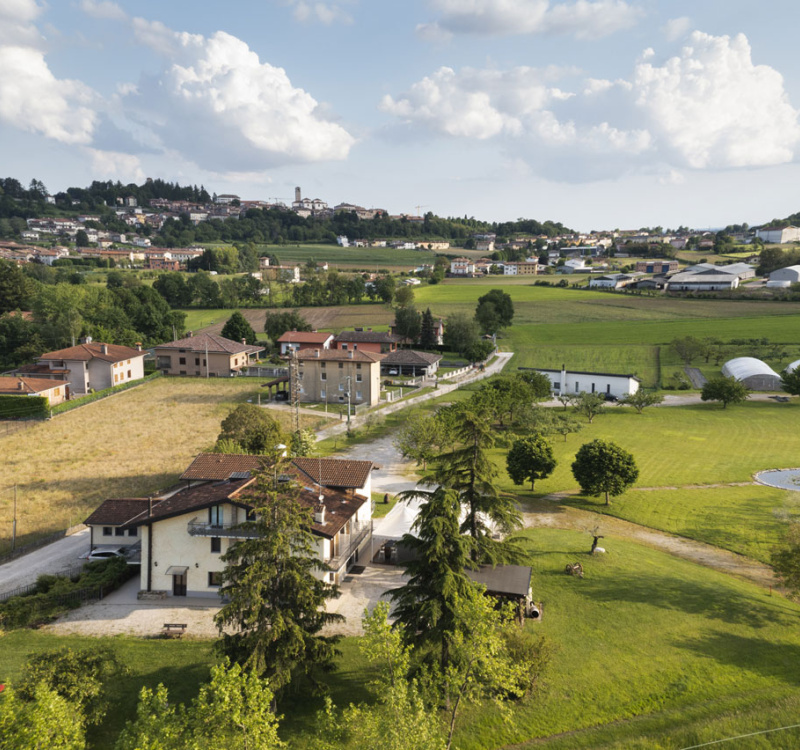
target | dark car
x=282, y=396
x=610, y=397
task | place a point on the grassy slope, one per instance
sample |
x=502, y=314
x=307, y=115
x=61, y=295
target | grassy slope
x=643, y=636
x=127, y=445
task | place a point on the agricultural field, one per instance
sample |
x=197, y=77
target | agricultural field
x=127, y=445
x=645, y=651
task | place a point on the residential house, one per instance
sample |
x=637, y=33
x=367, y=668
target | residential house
x=205, y=355
x=184, y=534
x=462, y=267
x=55, y=391
x=520, y=268
x=378, y=342
x=295, y=341
x=338, y=376
x=565, y=381
x=106, y=524
x=89, y=366
x=281, y=273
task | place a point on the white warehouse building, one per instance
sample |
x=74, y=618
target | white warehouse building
x=565, y=381
x=754, y=373
x=784, y=277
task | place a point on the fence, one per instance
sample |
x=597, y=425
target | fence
x=73, y=573
x=41, y=542
x=265, y=372
x=455, y=373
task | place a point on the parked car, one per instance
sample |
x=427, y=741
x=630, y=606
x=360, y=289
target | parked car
x=282, y=396
x=610, y=397
x=106, y=554
x=394, y=372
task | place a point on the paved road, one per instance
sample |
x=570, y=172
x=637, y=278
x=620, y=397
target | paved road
x=57, y=557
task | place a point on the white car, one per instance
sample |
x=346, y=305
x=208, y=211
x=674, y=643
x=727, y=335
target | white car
x=106, y=554
x=394, y=372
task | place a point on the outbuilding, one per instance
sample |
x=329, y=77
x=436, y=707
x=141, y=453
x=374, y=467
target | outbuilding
x=754, y=373
x=784, y=277
x=565, y=381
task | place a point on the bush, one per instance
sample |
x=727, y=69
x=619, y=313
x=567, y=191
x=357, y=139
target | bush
x=24, y=407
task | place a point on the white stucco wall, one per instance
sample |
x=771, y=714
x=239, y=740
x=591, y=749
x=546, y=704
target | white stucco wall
x=576, y=382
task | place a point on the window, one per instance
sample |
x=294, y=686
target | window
x=107, y=531
x=344, y=347
x=358, y=395
x=323, y=394
x=355, y=347
x=129, y=361
x=577, y=387
x=341, y=365
x=215, y=515
x=197, y=361
x=592, y=387
x=358, y=377
x=133, y=532
x=216, y=544
x=119, y=532
x=214, y=578
x=182, y=361
x=358, y=366
x=181, y=372
x=323, y=376
x=116, y=377
x=341, y=386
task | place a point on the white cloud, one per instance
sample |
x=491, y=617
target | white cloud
x=114, y=164
x=712, y=107
x=585, y=19
x=677, y=28
x=17, y=23
x=218, y=105
x=104, y=9
x=432, y=32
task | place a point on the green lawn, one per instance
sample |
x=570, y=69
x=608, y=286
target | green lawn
x=645, y=645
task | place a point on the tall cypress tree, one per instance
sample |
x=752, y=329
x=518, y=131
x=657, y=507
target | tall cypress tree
x=427, y=334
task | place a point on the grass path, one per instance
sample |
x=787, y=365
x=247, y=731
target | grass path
x=548, y=512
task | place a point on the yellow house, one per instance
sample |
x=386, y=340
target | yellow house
x=55, y=391
x=336, y=376
x=205, y=355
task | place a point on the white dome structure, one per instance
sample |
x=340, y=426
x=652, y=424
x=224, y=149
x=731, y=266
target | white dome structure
x=793, y=366
x=754, y=373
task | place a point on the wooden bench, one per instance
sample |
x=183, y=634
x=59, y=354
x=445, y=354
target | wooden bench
x=173, y=629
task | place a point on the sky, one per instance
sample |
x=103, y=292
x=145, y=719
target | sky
x=600, y=114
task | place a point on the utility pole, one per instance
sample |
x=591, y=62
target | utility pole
x=348, y=402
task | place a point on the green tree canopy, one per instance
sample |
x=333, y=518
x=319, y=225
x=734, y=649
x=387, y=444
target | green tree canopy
x=238, y=329
x=277, y=323
x=408, y=323
x=460, y=333
x=726, y=390
x=541, y=389
x=790, y=381
x=250, y=429
x=641, y=400
x=589, y=405
x=427, y=334
x=502, y=304
x=275, y=603
x=602, y=467
x=529, y=459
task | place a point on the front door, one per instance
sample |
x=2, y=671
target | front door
x=179, y=585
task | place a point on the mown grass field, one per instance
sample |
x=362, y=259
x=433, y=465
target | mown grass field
x=128, y=445
x=647, y=651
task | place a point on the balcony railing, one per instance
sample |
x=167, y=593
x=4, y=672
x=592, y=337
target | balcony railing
x=349, y=543
x=198, y=528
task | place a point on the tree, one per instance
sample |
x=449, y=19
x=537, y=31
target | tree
x=15, y=288
x=277, y=323
x=487, y=317
x=421, y=438
x=790, y=381
x=426, y=605
x=384, y=288
x=404, y=296
x=541, y=388
x=566, y=424
x=726, y=390
x=250, y=429
x=688, y=348
x=468, y=469
x=602, y=467
x=81, y=238
x=408, y=323
x=427, y=335
x=529, y=459
x=589, y=405
x=45, y=721
x=235, y=708
x=641, y=400
x=80, y=677
x=459, y=333
x=275, y=603
x=173, y=288
x=503, y=306
x=238, y=329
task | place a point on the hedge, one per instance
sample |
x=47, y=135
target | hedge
x=97, y=395
x=24, y=407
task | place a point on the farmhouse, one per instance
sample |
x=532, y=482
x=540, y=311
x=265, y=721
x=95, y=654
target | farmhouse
x=89, y=366
x=462, y=267
x=754, y=373
x=564, y=382
x=204, y=355
x=378, y=342
x=295, y=341
x=184, y=534
x=55, y=391
x=338, y=376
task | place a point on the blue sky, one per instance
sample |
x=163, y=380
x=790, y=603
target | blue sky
x=595, y=113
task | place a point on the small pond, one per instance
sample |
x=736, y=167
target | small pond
x=785, y=479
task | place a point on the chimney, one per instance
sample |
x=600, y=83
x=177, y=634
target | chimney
x=319, y=514
x=150, y=506
x=138, y=346
x=244, y=342
x=104, y=348
x=316, y=353
x=350, y=354
x=21, y=384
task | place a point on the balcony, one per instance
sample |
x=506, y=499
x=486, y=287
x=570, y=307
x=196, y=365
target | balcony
x=230, y=530
x=349, y=543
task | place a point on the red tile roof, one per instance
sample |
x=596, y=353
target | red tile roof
x=338, y=355
x=304, y=337
x=10, y=386
x=94, y=350
x=212, y=343
x=335, y=472
x=117, y=511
